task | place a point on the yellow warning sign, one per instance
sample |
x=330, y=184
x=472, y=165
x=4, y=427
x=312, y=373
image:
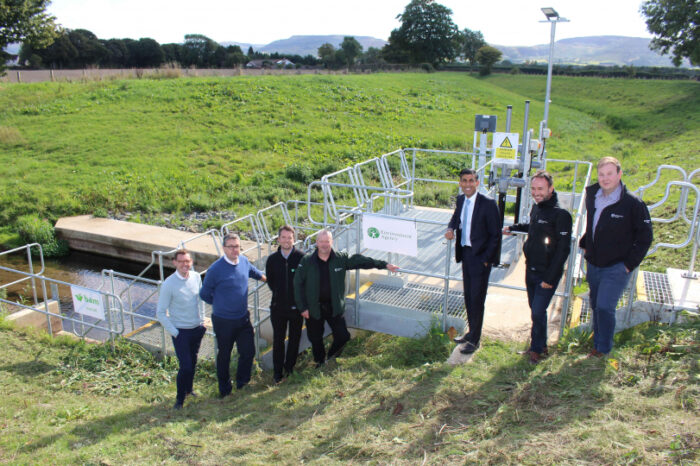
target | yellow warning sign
x=505, y=145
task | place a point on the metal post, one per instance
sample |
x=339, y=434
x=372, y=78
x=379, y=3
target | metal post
x=509, y=115
x=447, y=285
x=549, y=73
x=31, y=271
x=357, y=272
x=523, y=152
x=569, y=284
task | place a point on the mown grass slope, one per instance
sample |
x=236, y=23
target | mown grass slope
x=387, y=400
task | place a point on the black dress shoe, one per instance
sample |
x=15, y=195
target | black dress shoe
x=469, y=348
x=177, y=406
x=462, y=339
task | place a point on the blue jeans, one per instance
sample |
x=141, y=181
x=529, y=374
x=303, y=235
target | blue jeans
x=228, y=332
x=538, y=298
x=606, y=286
x=186, y=345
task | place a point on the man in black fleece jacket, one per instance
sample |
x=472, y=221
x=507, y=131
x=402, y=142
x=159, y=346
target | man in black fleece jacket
x=280, y=269
x=618, y=236
x=546, y=250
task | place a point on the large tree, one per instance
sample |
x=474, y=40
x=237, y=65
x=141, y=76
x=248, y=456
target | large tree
x=351, y=50
x=676, y=23
x=25, y=21
x=487, y=56
x=427, y=32
x=326, y=53
x=471, y=42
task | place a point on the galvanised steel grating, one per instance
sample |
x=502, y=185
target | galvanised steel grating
x=586, y=306
x=418, y=297
x=658, y=288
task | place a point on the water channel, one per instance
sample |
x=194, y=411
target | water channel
x=84, y=270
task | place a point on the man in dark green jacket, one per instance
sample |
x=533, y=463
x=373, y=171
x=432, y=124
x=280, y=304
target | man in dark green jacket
x=319, y=290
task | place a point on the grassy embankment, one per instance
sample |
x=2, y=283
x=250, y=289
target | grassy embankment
x=182, y=145
x=387, y=400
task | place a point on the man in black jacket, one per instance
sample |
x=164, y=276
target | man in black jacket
x=476, y=226
x=618, y=236
x=280, y=269
x=546, y=250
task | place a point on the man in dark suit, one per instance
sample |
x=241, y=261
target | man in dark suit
x=476, y=224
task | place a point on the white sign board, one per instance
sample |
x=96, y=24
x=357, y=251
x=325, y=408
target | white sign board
x=505, y=145
x=87, y=302
x=390, y=234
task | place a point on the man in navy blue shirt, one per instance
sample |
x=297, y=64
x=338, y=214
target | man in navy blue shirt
x=225, y=287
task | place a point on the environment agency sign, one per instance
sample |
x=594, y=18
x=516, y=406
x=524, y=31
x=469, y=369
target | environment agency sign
x=390, y=234
x=87, y=302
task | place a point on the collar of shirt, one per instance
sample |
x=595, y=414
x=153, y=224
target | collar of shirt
x=286, y=255
x=177, y=274
x=610, y=198
x=230, y=261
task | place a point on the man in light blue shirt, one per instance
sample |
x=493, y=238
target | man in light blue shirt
x=181, y=313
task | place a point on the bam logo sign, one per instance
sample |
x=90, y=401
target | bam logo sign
x=86, y=299
x=88, y=302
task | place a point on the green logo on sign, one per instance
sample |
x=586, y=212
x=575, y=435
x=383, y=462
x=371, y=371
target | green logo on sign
x=373, y=232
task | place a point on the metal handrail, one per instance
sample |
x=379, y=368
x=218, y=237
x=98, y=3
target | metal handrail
x=111, y=298
x=693, y=222
x=681, y=201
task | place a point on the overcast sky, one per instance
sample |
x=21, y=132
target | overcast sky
x=503, y=22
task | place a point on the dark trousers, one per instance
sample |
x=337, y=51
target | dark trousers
x=228, y=332
x=281, y=320
x=475, y=276
x=606, y=285
x=538, y=298
x=186, y=345
x=314, y=330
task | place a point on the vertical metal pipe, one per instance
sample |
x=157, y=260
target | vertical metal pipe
x=549, y=73
x=573, y=187
x=357, y=271
x=569, y=284
x=509, y=115
x=525, y=123
x=31, y=271
x=447, y=285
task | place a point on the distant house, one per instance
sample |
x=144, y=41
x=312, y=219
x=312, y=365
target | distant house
x=269, y=63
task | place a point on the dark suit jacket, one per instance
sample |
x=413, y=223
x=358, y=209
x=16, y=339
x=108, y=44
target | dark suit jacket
x=486, y=229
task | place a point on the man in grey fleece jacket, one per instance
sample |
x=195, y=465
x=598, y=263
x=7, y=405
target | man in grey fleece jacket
x=181, y=312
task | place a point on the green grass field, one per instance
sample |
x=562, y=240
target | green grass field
x=386, y=401
x=196, y=144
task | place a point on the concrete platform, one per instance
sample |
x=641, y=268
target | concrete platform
x=686, y=291
x=136, y=241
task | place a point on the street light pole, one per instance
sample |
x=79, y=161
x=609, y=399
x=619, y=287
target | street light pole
x=552, y=18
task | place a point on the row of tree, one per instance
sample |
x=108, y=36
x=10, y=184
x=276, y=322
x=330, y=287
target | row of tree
x=427, y=35
x=80, y=48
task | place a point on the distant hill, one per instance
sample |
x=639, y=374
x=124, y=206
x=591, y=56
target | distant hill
x=594, y=50
x=307, y=45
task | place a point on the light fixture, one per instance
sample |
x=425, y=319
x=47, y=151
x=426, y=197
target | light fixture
x=550, y=13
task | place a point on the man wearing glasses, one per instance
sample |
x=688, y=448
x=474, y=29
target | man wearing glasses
x=225, y=287
x=181, y=313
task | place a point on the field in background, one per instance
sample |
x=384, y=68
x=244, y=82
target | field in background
x=156, y=146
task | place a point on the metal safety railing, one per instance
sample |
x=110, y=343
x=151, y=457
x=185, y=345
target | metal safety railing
x=45, y=291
